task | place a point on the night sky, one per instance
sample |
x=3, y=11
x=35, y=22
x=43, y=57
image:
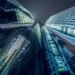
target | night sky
x=43, y=9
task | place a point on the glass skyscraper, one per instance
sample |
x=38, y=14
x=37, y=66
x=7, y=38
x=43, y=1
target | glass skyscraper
x=62, y=27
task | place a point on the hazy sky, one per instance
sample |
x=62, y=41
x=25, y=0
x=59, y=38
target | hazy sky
x=43, y=9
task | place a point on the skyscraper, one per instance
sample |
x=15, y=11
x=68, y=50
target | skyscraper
x=62, y=27
x=14, y=15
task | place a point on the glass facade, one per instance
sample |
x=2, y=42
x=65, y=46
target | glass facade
x=55, y=61
x=12, y=15
x=62, y=27
x=63, y=21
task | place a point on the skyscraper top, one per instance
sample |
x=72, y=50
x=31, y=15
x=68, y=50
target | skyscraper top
x=65, y=17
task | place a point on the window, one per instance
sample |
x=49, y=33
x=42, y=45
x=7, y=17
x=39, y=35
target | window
x=55, y=51
x=51, y=41
x=64, y=29
x=23, y=17
x=59, y=28
x=69, y=31
x=6, y=17
x=74, y=32
x=53, y=45
x=61, y=63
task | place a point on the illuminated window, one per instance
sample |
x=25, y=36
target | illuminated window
x=51, y=41
x=69, y=31
x=59, y=28
x=23, y=18
x=53, y=45
x=74, y=32
x=59, y=61
x=49, y=38
x=55, y=51
x=64, y=29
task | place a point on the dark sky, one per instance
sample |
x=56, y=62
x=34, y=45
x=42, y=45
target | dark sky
x=43, y=9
